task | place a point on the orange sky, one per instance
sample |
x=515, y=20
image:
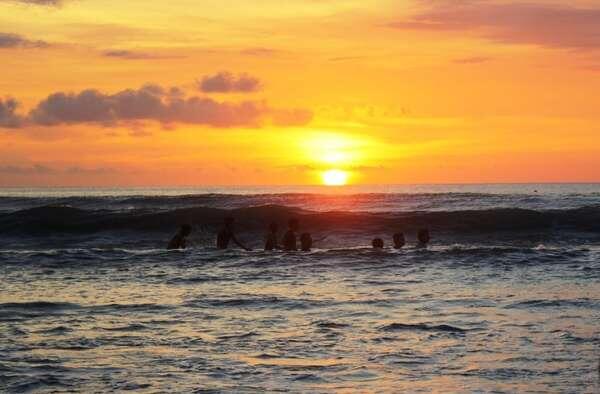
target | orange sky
x=133, y=93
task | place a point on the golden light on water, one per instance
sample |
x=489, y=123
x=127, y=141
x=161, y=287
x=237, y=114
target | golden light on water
x=335, y=177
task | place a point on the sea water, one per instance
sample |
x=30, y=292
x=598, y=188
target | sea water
x=505, y=299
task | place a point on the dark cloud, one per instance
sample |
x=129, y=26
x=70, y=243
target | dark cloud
x=151, y=102
x=472, y=60
x=10, y=40
x=134, y=55
x=520, y=23
x=8, y=115
x=226, y=82
x=168, y=106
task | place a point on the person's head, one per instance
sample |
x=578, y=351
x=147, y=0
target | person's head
x=293, y=224
x=273, y=227
x=423, y=236
x=229, y=221
x=377, y=243
x=399, y=240
x=185, y=230
x=306, y=242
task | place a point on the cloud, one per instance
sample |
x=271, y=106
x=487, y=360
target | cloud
x=36, y=169
x=473, y=60
x=544, y=25
x=260, y=51
x=226, y=82
x=346, y=58
x=322, y=167
x=291, y=117
x=8, y=116
x=76, y=170
x=10, y=40
x=150, y=102
x=41, y=169
x=167, y=106
x=134, y=55
x=592, y=67
x=54, y=3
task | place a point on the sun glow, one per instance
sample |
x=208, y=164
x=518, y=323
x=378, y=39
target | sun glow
x=335, y=177
x=332, y=148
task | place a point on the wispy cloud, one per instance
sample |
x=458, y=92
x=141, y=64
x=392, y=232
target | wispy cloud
x=547, y=25
x=260, y=51
x=135, y=55
x=472, y=60
x=42, y=169
x=10, y=40
x=54, y=3
x=36, y=169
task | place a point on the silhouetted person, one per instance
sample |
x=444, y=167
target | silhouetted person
x=289, y=239
x=179, y=240
x=226, y=235
x=271, y=241
x=399, y=240
x=423, y=238
x=306, y=242
x=377, y=243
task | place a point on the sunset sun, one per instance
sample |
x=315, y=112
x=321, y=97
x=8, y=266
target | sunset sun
x=335, y=177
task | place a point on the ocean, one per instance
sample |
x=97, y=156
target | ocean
x=506, y=298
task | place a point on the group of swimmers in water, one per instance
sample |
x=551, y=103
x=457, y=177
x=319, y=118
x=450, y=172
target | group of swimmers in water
x=289, y=241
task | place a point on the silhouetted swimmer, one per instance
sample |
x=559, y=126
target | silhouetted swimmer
x=423, y=238
x=306, y=242
x=179, y=240
x=377, y=243
x=226, y=235
x=399, y=240
x=271, y=241
x=289, y=239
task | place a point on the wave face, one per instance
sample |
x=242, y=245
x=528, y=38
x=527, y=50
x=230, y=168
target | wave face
x=49, y=220
x=429, y=198
x=348, y=216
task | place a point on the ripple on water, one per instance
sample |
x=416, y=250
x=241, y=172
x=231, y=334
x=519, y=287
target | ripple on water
x=423, y=327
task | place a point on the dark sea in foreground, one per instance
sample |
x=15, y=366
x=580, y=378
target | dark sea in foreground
x=505, y=299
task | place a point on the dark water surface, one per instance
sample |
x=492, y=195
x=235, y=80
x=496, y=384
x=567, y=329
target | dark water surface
x=506, y=299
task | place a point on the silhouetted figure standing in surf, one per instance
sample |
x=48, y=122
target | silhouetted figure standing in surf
x=226, y=234
x=306, y=242
x=423, y=238
x=399, y=240
x=179, y=240
x=271, y=242
x=289, y=239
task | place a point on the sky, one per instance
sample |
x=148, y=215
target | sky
x=273, y=92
